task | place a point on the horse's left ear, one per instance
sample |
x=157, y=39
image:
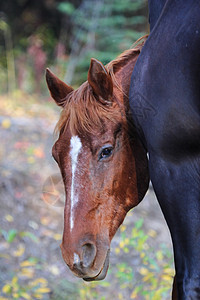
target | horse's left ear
x=58, y=89
x=100, y=81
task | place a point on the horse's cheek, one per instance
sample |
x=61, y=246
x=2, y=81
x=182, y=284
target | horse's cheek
x=129, y=185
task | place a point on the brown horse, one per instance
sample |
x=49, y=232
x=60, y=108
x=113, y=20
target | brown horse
x=103, y=164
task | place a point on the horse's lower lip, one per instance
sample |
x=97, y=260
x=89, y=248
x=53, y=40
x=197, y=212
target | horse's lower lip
x=102, y=274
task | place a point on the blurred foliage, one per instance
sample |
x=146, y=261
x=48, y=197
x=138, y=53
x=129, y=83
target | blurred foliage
x=63, y=35
x=148, y=279
x=101, y=30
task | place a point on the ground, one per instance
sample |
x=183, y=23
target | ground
x=31, y=223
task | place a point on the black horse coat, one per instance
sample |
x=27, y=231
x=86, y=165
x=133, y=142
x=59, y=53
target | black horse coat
x=165, y=104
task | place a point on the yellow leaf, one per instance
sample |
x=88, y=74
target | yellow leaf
x=159, y=255
x=6, y=123
x=9, y=218
x=14, y=280
x=26, y=296
x=83, y=293
x=126, y=241
x=37, y=281
x=6, y=256
x=126, y=250
x=121, y=244
x=121, y=268
x=142, y=254
x=16, y=295
x=6, y=288
x=43, y=290
x=117, y=250
x=27, y=263
x=157, y=295
x=27, y=272
x=122, y=228
x=31, y=160
x=152, y=233
x=147, y=277
x=135, y=292
x=166, y=277
x=169, y=271
x=57, y=236
x=133, y=295
x=143, y=271
x=37, y=296
x=45, y=220
x=19, y=251
x=120, y=296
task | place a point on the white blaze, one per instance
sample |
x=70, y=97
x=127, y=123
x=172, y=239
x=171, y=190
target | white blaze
x=75, y=145
x=76, y=258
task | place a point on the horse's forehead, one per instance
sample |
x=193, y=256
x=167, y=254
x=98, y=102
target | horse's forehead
x=76, y=143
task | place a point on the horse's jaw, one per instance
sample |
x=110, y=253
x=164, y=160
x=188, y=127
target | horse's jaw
x=102, y=274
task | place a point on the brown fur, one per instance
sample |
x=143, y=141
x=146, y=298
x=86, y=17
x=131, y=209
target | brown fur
x=78, y=117
x=76, y=114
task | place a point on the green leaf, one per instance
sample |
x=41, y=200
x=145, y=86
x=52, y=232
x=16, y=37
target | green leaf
x=104, y=283
x=139, y=223
x=11, y=234
x=66, y=8
x=30, y=150
x=31, y=235
x=3, y=25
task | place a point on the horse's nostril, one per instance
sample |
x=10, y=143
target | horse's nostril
x=89, y=253
x=82, y=263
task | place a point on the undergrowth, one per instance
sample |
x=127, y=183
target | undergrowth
x=141, y=272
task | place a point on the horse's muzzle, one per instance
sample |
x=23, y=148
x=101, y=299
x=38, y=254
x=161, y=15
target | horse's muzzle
x=89, y=262
x=102, y=274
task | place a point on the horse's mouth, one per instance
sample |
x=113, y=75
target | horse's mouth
x=102, y=274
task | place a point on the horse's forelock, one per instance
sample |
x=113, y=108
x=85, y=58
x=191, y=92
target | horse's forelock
x=83, y=113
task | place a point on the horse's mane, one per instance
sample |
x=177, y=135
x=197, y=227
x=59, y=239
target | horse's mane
x=82, y=112
x=121, y=60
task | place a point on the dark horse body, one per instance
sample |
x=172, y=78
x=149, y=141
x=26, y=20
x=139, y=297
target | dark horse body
x=165, y=104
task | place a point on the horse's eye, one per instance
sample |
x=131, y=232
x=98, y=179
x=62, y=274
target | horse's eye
x=105, y=152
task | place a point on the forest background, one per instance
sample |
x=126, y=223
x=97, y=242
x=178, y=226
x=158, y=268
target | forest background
x=65, y=35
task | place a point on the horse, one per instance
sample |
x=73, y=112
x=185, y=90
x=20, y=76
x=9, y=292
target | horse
x=164, y=99
x=103, y=163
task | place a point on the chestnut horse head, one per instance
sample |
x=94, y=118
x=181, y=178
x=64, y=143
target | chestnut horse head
x=102, y=162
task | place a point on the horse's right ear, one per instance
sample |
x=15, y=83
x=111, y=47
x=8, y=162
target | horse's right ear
x=58, y=89
x=100, y=81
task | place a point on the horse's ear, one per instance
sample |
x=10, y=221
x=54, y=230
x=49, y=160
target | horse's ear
x=100, y=81
x=58, y=89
